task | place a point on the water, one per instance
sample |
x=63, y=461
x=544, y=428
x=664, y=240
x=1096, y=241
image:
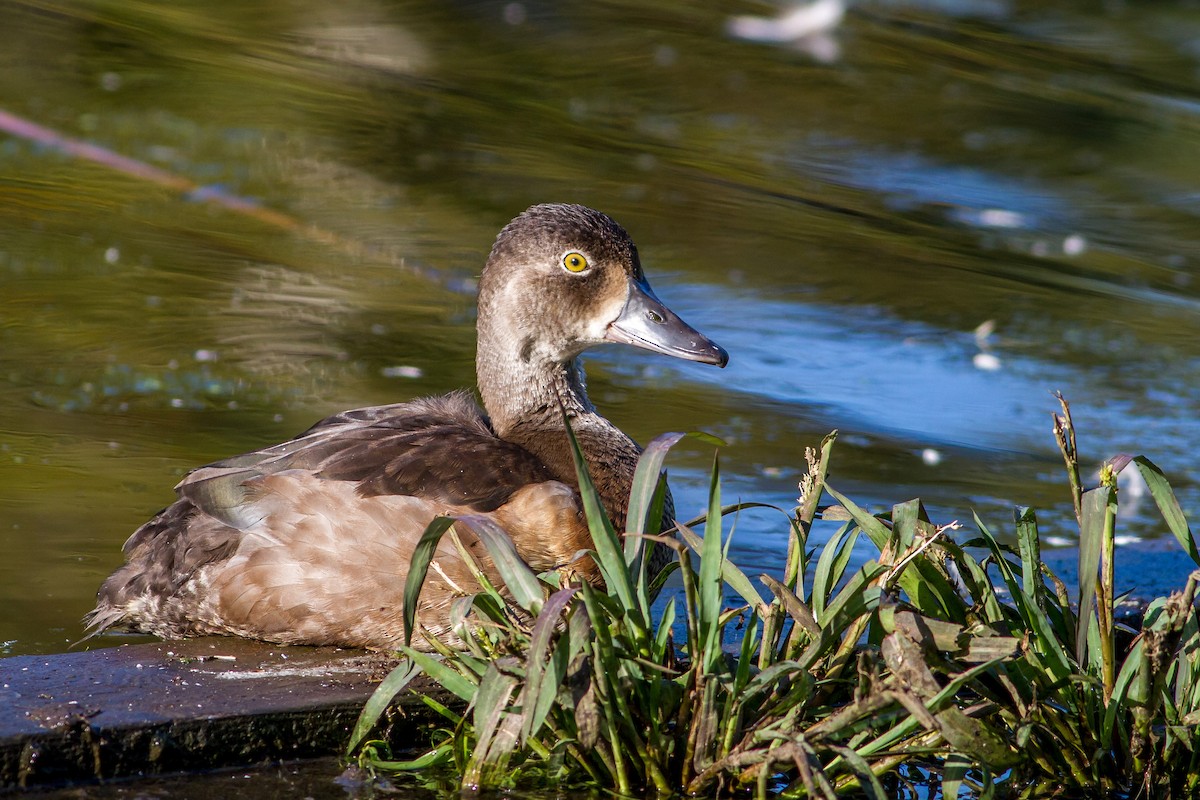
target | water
x=327, y=179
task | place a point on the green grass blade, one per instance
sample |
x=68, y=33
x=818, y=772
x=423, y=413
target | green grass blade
x=379, y=700
x=781, y=670
x=745, y=659
x=646, y=478
x=976, y=583
x=906, y=518
x=442, y=710
x=731, y=509
x=435, y=757
x=944, y=697
x=1091, y=545
x=635, y=549
x=1168, y=505
x=647, y=499
x=859, y=597
x=954, y=771
x=609, y=555
x=876, y=531
x=521, y=581
x=489, y=601
x=418, y=567
x=924, y=583
x=645, y=481
x=663, y=636
x=708, y=580
x=730, y=573
x=1135, y=661
x=860, y=768
x=664, y=574
x=1029, y=546
x=495, y=740
x=544, y=675
x=831, y=566
x=448, y=678
x=491, y=702
x=1044, y=642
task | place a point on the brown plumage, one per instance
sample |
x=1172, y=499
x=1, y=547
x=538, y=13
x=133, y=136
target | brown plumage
x=309, y=541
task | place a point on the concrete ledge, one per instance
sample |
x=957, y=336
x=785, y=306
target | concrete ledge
x=151, y=709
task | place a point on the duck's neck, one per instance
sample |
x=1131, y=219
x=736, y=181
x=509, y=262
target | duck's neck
x=526, y=399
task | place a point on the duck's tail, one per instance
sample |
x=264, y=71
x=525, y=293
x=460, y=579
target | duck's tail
x=98, y=620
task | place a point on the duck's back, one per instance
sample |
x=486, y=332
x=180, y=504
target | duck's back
x=309, y=541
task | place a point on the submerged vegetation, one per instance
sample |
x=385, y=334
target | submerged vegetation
x=943, y=666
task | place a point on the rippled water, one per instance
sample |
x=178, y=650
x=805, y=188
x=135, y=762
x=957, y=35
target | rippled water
x=843, y=215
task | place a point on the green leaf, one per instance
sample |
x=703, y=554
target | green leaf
x=449, y=679
x=495, y=729
x=990, y=746
x=635, y=547
x=1091, y=545
x=831, y=566
x=491, y=702
x=417, y=569
x=925, y=585
x=439, y=755
x=1044, y=641
x=746, y=657
x=646, y=478
x=869, y=783
x=379, y=700
x=859, y=597
x=1031, y=554
x=660, y=580
x=647, y=501
x=780, y=670
x=906, y=518
x=954, y=771
x=451, y=716
x=1135, y=661
x=662, y=636
x=730, y=573
x=542, y=679
x=977, y=583
x=876, y=531
x=1168, y=505
x=645, y=482
x=609, y=554
x=521, y=581
x=709, y=578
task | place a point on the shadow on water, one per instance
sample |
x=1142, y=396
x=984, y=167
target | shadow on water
x=912, y=237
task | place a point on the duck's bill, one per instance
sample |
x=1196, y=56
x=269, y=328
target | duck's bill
x=645, y=322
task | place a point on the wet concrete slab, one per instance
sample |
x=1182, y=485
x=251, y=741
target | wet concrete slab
x=153, y=709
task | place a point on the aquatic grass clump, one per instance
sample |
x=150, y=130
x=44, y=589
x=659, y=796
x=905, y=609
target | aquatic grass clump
x=938, y=668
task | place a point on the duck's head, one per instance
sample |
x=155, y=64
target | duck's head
x=562, y=278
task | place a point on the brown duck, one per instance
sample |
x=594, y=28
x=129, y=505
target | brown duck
x=309, y=541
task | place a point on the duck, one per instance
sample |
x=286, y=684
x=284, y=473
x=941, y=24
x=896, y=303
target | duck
x=308, y=542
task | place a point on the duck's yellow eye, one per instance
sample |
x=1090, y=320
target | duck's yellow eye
x=574, y=262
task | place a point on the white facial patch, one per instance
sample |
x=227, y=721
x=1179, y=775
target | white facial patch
x=607, y=312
